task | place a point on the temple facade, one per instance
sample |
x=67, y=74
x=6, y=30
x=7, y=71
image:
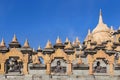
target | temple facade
x=97, y=58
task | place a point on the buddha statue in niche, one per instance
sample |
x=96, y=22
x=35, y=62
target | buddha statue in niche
x=58, y=68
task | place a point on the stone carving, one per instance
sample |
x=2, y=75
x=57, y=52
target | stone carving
x=58, y=68
x=99, y=69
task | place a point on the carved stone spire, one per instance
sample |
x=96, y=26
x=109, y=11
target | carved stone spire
x=14, y=39
x=2, y=44
x=39, y=48
x=26, y=44
x=88, y=36
x=100, y=17
x=89, y=45
x=67, y=40
x=68, y=46
x=58, y=41
x=48, y=45
x=77, y=40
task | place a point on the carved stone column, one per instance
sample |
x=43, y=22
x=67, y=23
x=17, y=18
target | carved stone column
x=111, y=69
x=69, y=68
x=2, y=70
x=91, y=68
x=25, y=68
x=48, y=68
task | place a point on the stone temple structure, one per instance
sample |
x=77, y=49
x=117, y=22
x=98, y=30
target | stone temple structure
x=97, y=58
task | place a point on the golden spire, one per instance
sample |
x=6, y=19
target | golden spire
x=26, y=44
x=67, y=40
x=100, y=17
x=77, y=40
x=48, y=45
x=88, y=36
x=14, y=39
x=68, y=46
x=2, y=43
x=58, y=40
x=39, y=48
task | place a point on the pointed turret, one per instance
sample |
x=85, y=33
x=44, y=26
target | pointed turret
x=58, y=41
x=39, y=49
x=14, y=39
x=14, y=43
x=100, y=17
x=48, y=49
x=76, y=43
x=66, y=41
x=26, y=48
x=48, y=45
x=3, y=47
x=77, y=40
x=2, y=44
x=59, y=44
x=88, y=37
x=68, y=48
x=26, y=44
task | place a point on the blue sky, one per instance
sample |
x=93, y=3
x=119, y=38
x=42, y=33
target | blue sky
x=40, y=20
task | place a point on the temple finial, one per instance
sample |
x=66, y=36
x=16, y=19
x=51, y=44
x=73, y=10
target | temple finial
x=48, y=45
x=77, y=40
x=2, y=43
x=68, y=46
x=58, y=40
x=67, y=40
x=100, y=17
x=26, y=44
x=39, y=48
x=14, y=39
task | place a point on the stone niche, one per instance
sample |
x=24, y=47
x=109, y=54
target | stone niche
x=58, y=66
x=13, y=65
x=100, y=66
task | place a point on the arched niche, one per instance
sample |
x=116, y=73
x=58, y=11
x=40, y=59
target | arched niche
x=59, y=54
x=14, y=53
x=100, y=56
